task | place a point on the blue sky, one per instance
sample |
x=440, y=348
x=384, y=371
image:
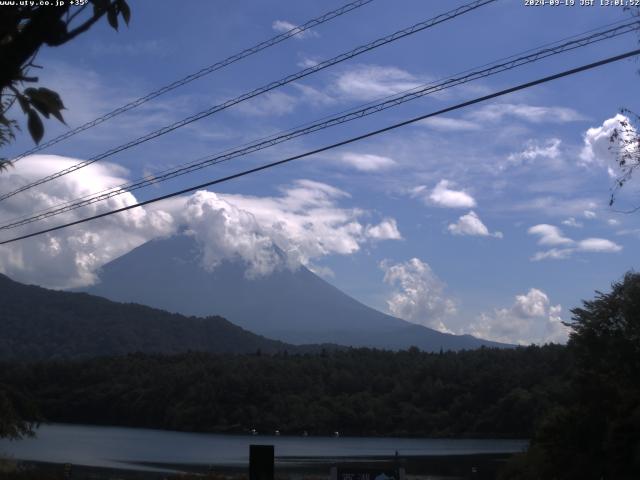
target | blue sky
x=491, y=220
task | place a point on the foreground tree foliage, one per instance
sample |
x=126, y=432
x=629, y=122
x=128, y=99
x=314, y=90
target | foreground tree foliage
x=625, y=145
x=480, y=393
x=595, y=433
x=18, y=413
x=625, y=141
x=24, y=29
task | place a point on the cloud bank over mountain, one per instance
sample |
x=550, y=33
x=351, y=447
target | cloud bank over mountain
x=302, y=224
x=70, y=257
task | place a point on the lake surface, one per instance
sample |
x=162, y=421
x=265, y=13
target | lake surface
x=144, y=449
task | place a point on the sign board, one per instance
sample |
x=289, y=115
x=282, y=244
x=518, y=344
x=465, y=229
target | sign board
x=261, y=460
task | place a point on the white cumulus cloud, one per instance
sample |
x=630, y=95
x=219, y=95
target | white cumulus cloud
x=227, y=232
x=302, y=224
x=445, y=196
x=530, y=113
x=598, y=245
x=70, y=257
x=530, y=319
x=367, y=162
x=419, y=295
x=369, y=82
x=572, y=222
x=564, y=247
x=549, y=150
x=470, y=224
x=448, y=124
x=307, y=63
x=597, y=148
x=283, y=26
x=385, y=230
x=314, y=96
x=553, y=254
x=305, y=223
x=549, y=235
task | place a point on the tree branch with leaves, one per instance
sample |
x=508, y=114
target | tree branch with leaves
x=625, y=145
x=23, y=31
x=625, y=142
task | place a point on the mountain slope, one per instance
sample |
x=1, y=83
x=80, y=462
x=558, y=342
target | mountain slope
x=293, y=306
x=39, y=324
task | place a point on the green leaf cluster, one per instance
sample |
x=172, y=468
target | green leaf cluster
x=24, y=29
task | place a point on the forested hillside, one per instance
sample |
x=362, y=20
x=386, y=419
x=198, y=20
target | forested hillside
x=40, y=324
x=578, y=403
x=486, y=392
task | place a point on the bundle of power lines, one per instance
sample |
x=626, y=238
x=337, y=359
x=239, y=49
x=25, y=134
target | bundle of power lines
x=515, y=61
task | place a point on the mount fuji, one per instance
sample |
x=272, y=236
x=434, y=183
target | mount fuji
x=294, y=306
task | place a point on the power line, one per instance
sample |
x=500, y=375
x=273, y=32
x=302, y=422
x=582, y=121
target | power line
x=200, y=73
x=259, y=91
x=338, y=144
x=311, y=127
x=354, y=114
x=123, y=188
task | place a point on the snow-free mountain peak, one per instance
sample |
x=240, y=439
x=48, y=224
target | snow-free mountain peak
x=292, y=305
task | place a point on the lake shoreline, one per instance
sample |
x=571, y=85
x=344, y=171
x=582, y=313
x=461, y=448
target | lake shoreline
x=153, y=454
x=426, y=466
x=246, y=432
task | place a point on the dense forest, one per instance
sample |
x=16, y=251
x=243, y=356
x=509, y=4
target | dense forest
x=485, y=392
x=579, y=404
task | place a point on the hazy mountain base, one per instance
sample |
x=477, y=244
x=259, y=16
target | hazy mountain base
x=41, y=324
x=294, y=306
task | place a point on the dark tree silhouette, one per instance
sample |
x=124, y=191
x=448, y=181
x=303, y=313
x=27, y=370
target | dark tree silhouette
x=18, y=414
x=595, y=432
x=24, y=29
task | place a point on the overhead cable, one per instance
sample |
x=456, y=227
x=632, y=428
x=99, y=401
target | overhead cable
x=258, y=91
x=389, y=102
x=267, y=166
x=200, y=73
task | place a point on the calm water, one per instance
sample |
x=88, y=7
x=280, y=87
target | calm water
x=124, y=447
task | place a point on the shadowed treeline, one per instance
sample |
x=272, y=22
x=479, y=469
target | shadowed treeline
x=484, y=393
